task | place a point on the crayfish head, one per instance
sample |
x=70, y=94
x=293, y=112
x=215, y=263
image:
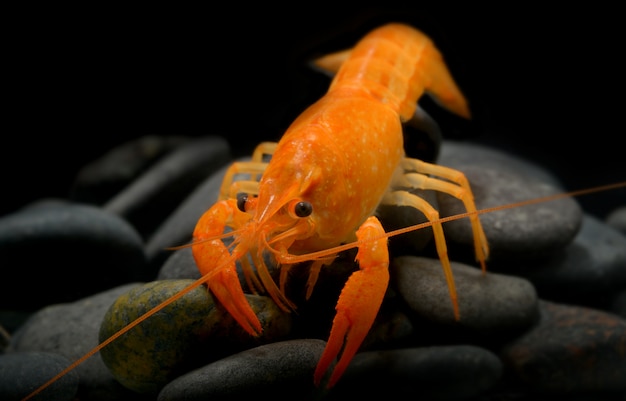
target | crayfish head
x=280, y=222
x=299, y=194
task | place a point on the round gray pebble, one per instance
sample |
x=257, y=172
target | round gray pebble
x=523, y=232
x=61, y=251
x=488, y=303
x=277, y=371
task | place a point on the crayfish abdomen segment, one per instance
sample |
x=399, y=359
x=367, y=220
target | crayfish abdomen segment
x=397, y=64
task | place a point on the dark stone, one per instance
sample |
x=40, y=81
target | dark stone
x=177, y=228
x=455, y=372
x=101, y=179
x=60, y=252
x=525, y=232
x=491, y=305
x=71, y=330
x=148, y=200
x=22, y=373
x=589, y=272
x=277, y=371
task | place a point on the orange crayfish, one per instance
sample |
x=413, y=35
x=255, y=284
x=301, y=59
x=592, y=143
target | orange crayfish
x=336, y=164
x=345, y=152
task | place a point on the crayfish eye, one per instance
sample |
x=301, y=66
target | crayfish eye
x=241, y=201
x=303, y=209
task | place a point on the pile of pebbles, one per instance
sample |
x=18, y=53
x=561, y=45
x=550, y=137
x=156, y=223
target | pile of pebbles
x=548, y=318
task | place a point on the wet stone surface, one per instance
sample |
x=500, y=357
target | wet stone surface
x=547, y=319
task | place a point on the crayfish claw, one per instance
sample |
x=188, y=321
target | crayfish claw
x=227, y=289
x=358, y=303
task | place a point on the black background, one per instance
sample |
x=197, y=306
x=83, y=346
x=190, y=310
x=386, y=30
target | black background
x=546, y=84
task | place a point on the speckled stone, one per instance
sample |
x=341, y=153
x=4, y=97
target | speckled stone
x=156, y=351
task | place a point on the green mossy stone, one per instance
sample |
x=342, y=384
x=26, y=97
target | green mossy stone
x=184, y=335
